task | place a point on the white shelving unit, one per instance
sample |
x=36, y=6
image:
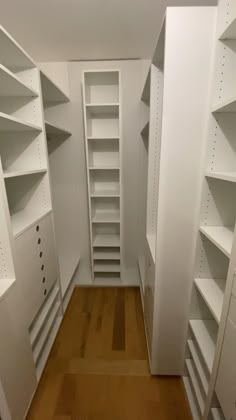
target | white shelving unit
x=215, y=254
x=102, y=120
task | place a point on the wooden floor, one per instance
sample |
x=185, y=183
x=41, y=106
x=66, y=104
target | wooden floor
x=98, y=368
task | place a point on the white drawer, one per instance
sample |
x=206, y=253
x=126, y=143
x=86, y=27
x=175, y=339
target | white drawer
x=226, y=379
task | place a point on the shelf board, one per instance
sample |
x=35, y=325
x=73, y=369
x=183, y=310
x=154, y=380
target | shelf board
x=41, y=319
x=12, y=55
x=114, y=255
x=105, y=193
x=104, y=167
x=5, y=285
x=97, y=109
x=23, y=220
x=14, y=174
x=105, y=281
x=9, y=123
x=212, y=291
x=225, y=176
x=106, y=217
x=198, y=365
x=56, y=130
x=217, y=414
x=195, y=384
x=151, y=240
x=205, y=333
x=146, y=89
x=220, y=236
x=11, y=85
x=106, y=240
x=51, y=92
x=145, y=131
x=191, y=398
x=103, y=138
x=230, y=31
x=106, y=268
x=227, y=105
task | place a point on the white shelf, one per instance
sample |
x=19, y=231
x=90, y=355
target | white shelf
x=106, y=217
x=106, y=240
x=191, y=398
x=12, y=55
x=145, y=130
x=24, y=173
x=51, y=92
x=9, y=123
x=94, y=138
x=212, y=291
x=46, y=331
x=112, y=108
x=56, y=130
x=230, y=31
x=106, y=268
x=24, y=219
x=220, y=236
x=205, y=333
x=225, y=176
x=105, y=193
x=41, y=319
x=227, y=105
x=105, y=279
x=198, y=365
x=11, y=85
x=195, y=384
x=48, y=345
x=151, y=240
x=5, y=285
x=103, y=255
x=104, y=167
x=217, y=414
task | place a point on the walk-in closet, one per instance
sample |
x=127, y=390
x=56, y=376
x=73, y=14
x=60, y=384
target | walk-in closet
x=118, y=210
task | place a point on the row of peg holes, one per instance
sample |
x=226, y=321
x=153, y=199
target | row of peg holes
x=155, y=164
x=40, y=256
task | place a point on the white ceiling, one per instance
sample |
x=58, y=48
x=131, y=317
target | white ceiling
x=57, y=30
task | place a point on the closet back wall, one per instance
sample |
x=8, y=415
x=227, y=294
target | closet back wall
x=132, y=79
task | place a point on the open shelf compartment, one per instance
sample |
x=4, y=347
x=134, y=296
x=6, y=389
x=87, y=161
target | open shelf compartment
x=101, y=87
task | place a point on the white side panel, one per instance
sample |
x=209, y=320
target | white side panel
x=186, y=86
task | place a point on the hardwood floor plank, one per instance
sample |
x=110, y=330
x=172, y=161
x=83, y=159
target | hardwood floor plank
x=118, y=339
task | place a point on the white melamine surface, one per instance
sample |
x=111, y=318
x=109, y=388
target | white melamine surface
x=11, y=85
x=221, y=236
x=195, y=384
x=102, y=240
x=212, y=291
x=217, y=414
x=55, y=129
x=9, y=123
x=198, y=365
x=23, y=173
x=106, y=255
x=226, y=105
x=50, y=91
x=191, y=398
x=12, y=55
x=225, y=176
x=5, y=285
x=205, y=332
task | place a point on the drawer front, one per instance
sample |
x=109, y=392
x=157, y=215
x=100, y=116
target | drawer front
x=47, y=253
x=28, y=273
x=226, y=379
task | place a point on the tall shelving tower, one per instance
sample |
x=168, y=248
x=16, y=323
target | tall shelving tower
x=102, y=122
x=216, y=245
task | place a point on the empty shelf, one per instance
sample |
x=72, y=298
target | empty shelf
x=11, y=85
x=228, y=105
x=205, y=333
x=56, y=130
x=103, y=279
x=220, y=236
x=151, y=239
x=24, y=219
x=112, y=109
x=103, y=167
x=50, y=91
x=191, y=398
x=212, y=291
x=230, y=31
x=42, y=317
x=145, y=130
x=225, y=176
x=198, y=365
x=24, y=173
x=107, y=268
x=105, y=193
x=8, y=123
x=5, y=285
x=12, y=55
x=195, y=384
x=217, y=414
x=106, y=240
x=103, y=255
x=103, y=138
x=106, y=217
